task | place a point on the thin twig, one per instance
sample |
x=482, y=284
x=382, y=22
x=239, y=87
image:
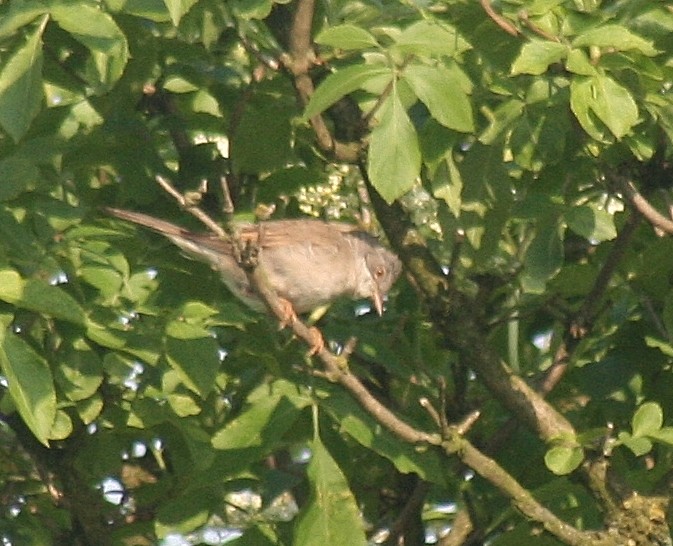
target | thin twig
x=643, y=206
x=499, y=20
x=191, y=208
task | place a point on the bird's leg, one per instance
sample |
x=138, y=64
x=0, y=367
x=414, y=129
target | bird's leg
x=290, y=316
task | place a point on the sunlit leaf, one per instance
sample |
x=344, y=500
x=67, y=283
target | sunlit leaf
x=30, y=383
x=648, y=419
x=331, y=515
x=340, y=83
x=394, y=159
x=563, y=460
x=441, y=91
x=346, y=37
x=21, y=89
x=537, y=55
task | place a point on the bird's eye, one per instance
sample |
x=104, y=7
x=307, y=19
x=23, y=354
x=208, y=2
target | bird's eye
x=380, y=271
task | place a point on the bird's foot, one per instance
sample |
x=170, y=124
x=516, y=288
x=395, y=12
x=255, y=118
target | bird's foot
x=317, y=341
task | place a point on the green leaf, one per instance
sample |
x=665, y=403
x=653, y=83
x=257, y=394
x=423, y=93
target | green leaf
x=331, y=516
x=562, y=460
x=500, y=120
x=539, y=138
x=441, y=91
x=193, y=353
x=252, y=9
x=536, y=56
x=364, y=429
x=615, y=37
x=16, y=175
x=394, y=159
x=265, y=122
x=188, y=511
x=610, y=102
x=178, y=8
x=79, y=371
x=544, y=256
x=30, y=384
x=647, y=420
x=638, y=445
x=346, y=37
x=578, y=62
x=663, y=435
x=20, y=14
x=272, y=410
x=98, y=32
x=431, y=38
x=591, y=222
x=340, y=83
x=21, y=89
x=447, y=184
x=39, y=296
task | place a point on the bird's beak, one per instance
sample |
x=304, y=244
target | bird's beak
x=377, y=300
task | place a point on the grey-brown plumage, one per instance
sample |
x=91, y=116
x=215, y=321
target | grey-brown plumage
x=307, y=262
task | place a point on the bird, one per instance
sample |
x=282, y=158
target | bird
x=308, y=262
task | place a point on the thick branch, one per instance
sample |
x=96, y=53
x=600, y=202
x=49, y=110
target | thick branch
x=298, y=62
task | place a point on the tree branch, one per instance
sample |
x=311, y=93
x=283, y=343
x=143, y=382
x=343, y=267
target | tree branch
x=642, y=205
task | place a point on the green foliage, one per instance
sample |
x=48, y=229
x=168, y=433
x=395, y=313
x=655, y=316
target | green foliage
x=504, y=137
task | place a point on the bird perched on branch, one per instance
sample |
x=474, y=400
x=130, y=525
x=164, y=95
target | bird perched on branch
x=307, y=262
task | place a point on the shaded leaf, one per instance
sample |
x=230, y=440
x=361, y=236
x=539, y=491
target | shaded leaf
x=544, y=256
x=272, y=411
x=592, y=223
x=193, y=353
x=340, y=83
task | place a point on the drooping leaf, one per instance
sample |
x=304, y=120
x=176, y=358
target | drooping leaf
x=331, y=515
x=193, y=353
x=544, y=256
x=394, y=159
x=21, y=89
x=30, y=384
